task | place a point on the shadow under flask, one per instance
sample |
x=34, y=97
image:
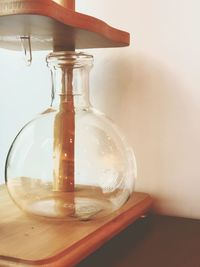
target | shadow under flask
x=70, y=162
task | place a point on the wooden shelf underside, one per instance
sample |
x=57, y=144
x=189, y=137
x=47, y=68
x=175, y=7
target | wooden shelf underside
x=51, y=26
x=31, y=241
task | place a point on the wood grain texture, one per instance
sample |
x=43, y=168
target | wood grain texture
x=29, y=241
x=50, y=25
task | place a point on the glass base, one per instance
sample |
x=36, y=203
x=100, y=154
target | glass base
x=81, y=209
x=37, y=198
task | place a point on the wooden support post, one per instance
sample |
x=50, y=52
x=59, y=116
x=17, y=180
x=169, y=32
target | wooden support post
x=70, y=4
x=64, y=137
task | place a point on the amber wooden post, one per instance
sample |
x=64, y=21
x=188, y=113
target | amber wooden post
x=70, y=4
x=64, y=128
x=64, y=137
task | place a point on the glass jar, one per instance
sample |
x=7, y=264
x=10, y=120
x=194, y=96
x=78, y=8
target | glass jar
x=70, y=162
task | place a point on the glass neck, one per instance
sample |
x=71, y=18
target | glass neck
x=70, y=79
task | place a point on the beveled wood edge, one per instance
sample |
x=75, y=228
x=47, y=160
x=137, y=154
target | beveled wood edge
x=71, y=18
x=86, y=246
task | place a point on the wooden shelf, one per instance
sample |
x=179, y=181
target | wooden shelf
x=31, y=241
x=52, y=26
x=156, y=241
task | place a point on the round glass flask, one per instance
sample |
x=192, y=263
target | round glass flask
x=70, y=162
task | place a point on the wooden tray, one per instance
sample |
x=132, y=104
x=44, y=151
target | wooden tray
x=50, y=25
x=27, y=241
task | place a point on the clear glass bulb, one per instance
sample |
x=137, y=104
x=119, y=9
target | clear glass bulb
x=71, y=162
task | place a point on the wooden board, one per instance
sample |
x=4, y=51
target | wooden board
x=51, y=26
x=27, y=241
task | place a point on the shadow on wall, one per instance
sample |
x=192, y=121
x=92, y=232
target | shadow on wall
x=153, y=105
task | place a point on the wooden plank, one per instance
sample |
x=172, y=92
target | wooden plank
x=31, y=241
x=50, y=25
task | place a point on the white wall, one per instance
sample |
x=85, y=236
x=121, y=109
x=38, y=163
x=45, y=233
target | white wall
x=150, y=89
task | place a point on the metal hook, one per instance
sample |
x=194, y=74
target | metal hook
x=52, y=87
x=26, y=46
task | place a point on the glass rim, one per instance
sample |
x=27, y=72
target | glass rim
x=69, y=58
